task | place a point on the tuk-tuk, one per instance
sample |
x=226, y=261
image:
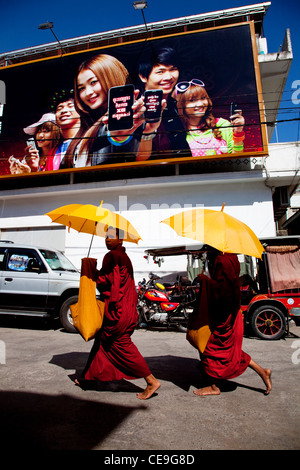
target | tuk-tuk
x=270, y=287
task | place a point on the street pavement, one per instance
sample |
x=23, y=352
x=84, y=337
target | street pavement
x=42, y=408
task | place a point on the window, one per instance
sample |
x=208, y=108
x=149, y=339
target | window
x=22, y=262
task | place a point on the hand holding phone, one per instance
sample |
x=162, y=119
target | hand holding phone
x=236, y=117
x=153, y=99
x=120, y=112
x=234, y=109
x=31, y=143
x=32, y=153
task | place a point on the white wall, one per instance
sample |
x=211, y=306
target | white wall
x=145, y=203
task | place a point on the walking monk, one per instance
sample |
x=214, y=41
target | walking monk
x=223, y=357
x=114, y=356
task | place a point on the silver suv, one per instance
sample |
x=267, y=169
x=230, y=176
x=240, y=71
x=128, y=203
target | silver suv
x=37, y=282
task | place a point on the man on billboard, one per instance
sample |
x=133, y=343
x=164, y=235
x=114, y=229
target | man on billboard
x=67, y=118
x=161, y=71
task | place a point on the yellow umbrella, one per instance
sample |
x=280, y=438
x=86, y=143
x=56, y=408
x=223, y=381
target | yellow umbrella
x=107, y=218
x=217, y=229
x=86, y=217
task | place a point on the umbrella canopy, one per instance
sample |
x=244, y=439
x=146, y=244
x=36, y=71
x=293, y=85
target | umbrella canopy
x=217, y=229
x=80, y=217
x=86, y=217
x=107, y=218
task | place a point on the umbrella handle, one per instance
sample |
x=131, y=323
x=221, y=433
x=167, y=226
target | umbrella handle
x=92, y=240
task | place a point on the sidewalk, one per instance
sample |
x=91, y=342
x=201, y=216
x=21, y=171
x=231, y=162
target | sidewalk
x=41, y=407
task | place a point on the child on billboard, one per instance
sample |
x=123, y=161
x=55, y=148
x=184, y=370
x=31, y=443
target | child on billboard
x=41, y=147
x=207, y=135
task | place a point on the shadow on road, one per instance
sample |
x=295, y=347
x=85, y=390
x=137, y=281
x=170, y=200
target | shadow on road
x=183, y=372
x=37, y=421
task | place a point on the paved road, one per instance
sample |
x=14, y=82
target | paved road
x=40, y=406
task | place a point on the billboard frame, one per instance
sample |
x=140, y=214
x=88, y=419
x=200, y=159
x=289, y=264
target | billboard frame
x=173, y=160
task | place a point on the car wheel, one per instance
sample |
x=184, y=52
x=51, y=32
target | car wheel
x=65, y=316
x=268, y=322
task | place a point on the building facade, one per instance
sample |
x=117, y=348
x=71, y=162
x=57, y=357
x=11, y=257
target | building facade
x=255, y=187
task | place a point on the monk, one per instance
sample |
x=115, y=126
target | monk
x=223, y=357
x=114, y=356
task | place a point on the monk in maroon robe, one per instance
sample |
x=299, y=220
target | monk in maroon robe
x=114, y=356
x=223, y=357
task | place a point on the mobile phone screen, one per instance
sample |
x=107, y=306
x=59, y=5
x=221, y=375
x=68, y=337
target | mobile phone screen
x=31, y=143
x=153, y=105
x=234, y=107
x=120, y=112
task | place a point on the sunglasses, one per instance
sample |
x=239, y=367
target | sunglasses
x=181, y=87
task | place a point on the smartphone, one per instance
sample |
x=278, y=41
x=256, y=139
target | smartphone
x=31, y=143
x=153, y=105
x=120, y=112
x=234, y=107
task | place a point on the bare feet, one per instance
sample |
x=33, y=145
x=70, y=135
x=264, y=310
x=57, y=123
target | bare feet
x=152, y=385
x=85, y=384
x=266, y=376
x=210, y=390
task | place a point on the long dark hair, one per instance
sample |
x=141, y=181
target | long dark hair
x=110, y=72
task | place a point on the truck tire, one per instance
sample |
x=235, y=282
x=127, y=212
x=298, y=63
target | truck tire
x=268, y=322
x=65, y=314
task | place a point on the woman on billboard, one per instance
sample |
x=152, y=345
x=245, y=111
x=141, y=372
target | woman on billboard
x=95, y=145
x=207, y=135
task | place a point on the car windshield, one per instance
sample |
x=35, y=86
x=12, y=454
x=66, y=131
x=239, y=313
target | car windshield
x=57, y=261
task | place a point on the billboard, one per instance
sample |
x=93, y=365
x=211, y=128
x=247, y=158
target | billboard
x=211, y=104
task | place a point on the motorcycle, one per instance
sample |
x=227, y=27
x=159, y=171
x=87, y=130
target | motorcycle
x=164, y=305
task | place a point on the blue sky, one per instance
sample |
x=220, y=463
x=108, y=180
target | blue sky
x=71, y=18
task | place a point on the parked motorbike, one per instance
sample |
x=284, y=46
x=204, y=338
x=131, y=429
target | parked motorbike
x=164, y=304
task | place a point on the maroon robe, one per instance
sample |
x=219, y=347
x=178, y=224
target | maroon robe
x=114, y=356
x=223, y=357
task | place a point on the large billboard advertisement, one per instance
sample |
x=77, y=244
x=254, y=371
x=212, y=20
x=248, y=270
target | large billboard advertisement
x=195, y=96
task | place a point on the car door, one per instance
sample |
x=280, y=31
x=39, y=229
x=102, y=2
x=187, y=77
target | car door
x=24, y=282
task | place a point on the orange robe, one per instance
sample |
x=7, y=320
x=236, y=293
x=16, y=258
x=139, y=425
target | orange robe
x=114, y=356
x=223, y=357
